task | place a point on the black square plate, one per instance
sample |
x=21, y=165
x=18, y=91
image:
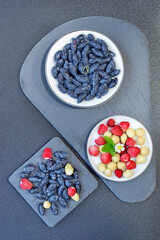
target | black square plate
x=88, y=182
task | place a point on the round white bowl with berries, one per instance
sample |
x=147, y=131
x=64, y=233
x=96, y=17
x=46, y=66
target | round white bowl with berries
x=119, y=148
x=51, y=63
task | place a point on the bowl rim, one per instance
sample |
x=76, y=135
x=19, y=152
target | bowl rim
x=120, y=179
x=62, y=99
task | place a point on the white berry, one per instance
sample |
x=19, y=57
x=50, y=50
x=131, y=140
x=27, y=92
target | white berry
x=140, y=159
x=100, y=149
x=140, y=132
x=69, y=169
x=127, y=173
x=116, y=158
x=115, y=139
x=107, y=134
x=112, y=166
x=121, y=165
x=101, y=167
x=144, y=151
x=123, y=138
x=141, y=140
x=46, y=204
x=131, y=132
x=75, y=197
x=108, y=172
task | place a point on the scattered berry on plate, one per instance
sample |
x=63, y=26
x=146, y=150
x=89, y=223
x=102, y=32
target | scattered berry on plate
x=75, y=197
x=116, y=157
x=131, y=132
x=94, y=150
x=123, y=138
x=100, y=141
x=140, y=159
x=46, y=204
x=71, y=191
x=116, y=130
x=105, y=158
x=41, y=209
x=25, y=184
x=69, y=169
x=130, y=142
x=101, y=167
x=144, y=151
x=130, y=164
x=124, y=126
x=108, y=172
x=125, y=157
x=47, y=154
x=121, y=165
x=110, y=122
x=133, y=151
x=112, y=166
x=127, y=173
x=100, y=149
x=115, y=139
x=102, y=129
x=118, y=173
x=107, y=134
x=140, y=132
x=141, y=140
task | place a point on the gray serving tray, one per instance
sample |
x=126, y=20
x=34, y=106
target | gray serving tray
x=133, y=98
x=88, y=182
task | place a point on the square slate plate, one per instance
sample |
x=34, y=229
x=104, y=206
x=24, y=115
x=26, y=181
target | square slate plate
x=88, y=182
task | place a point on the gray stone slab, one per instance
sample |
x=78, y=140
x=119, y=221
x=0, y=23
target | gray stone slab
x=88, y=182
x=133, y=98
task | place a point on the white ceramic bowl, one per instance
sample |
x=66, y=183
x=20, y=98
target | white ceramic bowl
x=140, y=168
x=58, y=45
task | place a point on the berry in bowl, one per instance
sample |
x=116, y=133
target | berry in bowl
x=84, y=68
x=119, y=148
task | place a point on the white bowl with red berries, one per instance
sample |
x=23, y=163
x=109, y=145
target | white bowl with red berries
x=119, y=148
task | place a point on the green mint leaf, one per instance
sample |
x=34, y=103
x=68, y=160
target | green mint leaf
x=112, y=151
x=108, y=140
x=106, y=147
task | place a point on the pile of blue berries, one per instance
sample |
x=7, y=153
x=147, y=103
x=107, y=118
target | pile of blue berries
x=51, y=181
x=85, y=68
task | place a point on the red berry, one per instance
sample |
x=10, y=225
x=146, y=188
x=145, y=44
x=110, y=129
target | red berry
x=124, y=126
x=125, y=157
x=94, y=150
x=102, y=129
x=118, y=173
x=100, y=141
x=110, y=122
x=106, y=158
x=130, y=165
x=116, y=130
x=130, y=142
x=47, y=154
x=71, y=191
x=25, y=184
x=133, y=151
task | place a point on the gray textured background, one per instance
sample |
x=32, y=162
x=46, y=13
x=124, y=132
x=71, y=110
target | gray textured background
x=23, y=130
